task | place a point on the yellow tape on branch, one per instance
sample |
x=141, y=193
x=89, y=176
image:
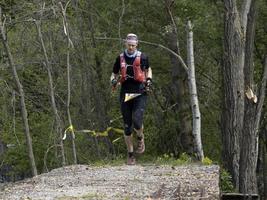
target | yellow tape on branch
x=70, y=129
x=94, y=133
x=116, y=139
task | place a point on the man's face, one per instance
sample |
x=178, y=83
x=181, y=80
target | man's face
x=131, y=48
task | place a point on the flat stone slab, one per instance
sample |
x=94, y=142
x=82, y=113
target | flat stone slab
x=119, y=182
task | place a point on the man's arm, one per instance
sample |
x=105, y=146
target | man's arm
x=114, y=79
x=114, y=76
x=149, y=73
x=148, y=79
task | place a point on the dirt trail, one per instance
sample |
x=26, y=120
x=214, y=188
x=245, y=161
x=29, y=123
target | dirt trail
x=118, y=182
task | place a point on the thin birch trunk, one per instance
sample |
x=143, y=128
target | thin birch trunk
x=193, y=93
x=52, y=93
x=22, y=96
x=70, y=45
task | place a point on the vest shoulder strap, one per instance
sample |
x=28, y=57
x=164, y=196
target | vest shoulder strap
x=137, y=60
x=122, y=60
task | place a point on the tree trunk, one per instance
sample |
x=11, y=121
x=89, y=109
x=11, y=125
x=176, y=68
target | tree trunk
x=52, y=94
x=261, y=165
x=249, y=140
x=70, y=44
x=241, y=116
x=179, y=88
x=22, y=97
x=233, y=89
x=100, y=97
x=264, y=153
x=180, y=97
x=193, y=94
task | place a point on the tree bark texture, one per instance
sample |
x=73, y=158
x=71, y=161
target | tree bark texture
x=179, y=88
x=265, y=163
x=233, y=89
x=250, y=136
x=22, y=98
x=193, y=94
x=241, y=116
x=261, y=165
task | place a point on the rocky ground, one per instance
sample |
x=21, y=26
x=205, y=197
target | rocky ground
x=144, y=182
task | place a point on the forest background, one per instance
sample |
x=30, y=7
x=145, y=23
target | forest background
x=63, y=53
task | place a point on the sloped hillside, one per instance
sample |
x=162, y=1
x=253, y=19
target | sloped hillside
x=118, y=182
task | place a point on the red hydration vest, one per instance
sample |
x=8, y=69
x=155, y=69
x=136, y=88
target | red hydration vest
x=139, y=75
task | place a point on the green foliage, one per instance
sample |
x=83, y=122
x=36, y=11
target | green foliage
x=16, y=158
x=207, y=161
x=171, y=160
x=226, y=184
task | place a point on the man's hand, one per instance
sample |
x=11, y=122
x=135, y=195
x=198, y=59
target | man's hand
x=114, y=82
x=148, y=84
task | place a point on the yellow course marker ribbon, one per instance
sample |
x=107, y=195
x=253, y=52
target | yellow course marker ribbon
x=70, y=129
x=94, y=133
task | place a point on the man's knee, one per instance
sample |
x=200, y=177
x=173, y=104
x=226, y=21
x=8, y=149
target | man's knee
x=127, y=130
x=138, y=119
x=137, y=123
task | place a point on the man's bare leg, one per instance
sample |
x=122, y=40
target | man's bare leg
x=140, y=140
x=129, y=144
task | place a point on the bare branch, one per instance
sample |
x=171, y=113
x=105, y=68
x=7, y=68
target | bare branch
x=168, y=5
x=67, y=4
x=2, y=25
x=121, y=16
x=153, y=44
x=70, y=44
x=46, y=153
x=244, y=14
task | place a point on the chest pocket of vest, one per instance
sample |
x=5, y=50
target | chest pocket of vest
x=139, y=74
